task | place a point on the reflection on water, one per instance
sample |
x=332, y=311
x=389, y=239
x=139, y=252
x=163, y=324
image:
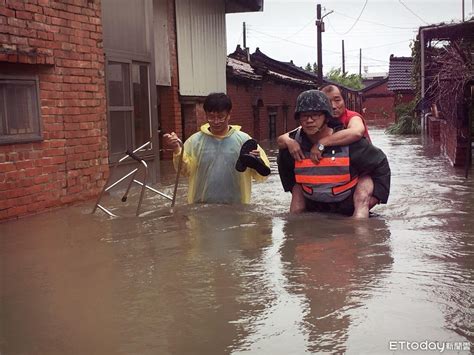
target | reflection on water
x=246, y=279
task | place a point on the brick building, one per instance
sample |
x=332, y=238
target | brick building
x=378, y=102
x=83, y=80
x=53, y=130
x=264, y=92
x=400, y=79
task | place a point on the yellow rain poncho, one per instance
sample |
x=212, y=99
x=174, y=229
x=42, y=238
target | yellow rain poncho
x=209, y=162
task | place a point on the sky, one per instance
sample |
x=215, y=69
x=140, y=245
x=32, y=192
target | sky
x=286, y=29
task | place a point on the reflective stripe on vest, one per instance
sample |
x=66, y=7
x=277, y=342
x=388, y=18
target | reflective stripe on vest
x=330, y=179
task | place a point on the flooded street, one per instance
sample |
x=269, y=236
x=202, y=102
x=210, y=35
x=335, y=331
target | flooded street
x=248, y=279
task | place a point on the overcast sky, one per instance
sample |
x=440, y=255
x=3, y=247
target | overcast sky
x=286, y=30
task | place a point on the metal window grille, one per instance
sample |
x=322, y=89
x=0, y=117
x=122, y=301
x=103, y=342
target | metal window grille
x=20, y=119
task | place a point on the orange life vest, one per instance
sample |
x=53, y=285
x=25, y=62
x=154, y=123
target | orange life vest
x=329, y=180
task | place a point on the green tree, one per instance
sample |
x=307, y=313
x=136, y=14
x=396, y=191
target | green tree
x=407, y=122
x=312, y=68
x=352, y=81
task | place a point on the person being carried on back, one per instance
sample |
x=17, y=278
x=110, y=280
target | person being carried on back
x=354, y=124
x=347, y=178
x=220, y=160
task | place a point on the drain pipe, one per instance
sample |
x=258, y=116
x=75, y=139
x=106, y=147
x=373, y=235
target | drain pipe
x=422, y=64
x=425, y=124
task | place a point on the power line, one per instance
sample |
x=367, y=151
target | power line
x=406, y=7
x=377, y=23
x=330, y=25
x=302, y=28
x=305, y=45
x=283, y=39
x=357, y=20
x=382, y=45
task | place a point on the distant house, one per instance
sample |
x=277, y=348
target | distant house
x=264, y=92
x=400, y=79
x=378, y=101
x=82, y=81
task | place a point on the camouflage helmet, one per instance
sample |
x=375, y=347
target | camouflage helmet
x=313, y=100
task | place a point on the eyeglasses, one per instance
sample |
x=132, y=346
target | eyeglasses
x=312, y=116
x=216, y=117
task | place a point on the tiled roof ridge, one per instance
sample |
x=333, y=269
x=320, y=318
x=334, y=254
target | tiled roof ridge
x=400, y=59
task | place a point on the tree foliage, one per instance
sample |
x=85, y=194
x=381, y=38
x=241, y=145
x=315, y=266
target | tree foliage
x=312, y=68
x=407, y=121
x=352, y=81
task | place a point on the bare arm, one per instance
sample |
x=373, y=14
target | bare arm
x=282, y=141
x=354, y=132
x=172, y=141
x=285, y=142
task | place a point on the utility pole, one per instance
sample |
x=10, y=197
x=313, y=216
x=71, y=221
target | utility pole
x=343, y=59
x=462, y=10
x=320, y=28
x=244, y=36
x=360, y=62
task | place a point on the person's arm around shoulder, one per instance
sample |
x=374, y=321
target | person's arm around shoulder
x=172, y=141
x=286, y=142
x=355, y=131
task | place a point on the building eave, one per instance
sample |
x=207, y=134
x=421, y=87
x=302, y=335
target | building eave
x=234, y=6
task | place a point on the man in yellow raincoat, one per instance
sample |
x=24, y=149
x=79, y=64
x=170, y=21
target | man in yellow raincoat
x=210, y=157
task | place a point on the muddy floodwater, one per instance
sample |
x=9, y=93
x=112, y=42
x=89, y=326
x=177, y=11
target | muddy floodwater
x=249, y=279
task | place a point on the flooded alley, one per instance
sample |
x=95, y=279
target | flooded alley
x=248, y=279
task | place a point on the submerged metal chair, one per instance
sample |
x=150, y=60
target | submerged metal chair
x=144, y=167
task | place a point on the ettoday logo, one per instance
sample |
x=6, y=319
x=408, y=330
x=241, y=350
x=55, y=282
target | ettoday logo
x=429, y=345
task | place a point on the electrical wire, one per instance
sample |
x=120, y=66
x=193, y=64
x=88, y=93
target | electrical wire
x=382, y=45
x=314, y=47
x=302, y=28
x=377, y=23
x=406, y=7
x=357, y=20
x=283, y=39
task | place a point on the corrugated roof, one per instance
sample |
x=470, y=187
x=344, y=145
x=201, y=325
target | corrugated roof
x=242, y=69
x=399, y=74
x=290, y=78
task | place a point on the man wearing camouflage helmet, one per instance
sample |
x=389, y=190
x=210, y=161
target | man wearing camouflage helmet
x=346, y=179
x=354, y=124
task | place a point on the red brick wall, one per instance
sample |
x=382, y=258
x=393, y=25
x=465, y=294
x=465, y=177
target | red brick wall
x=452, y=143
x=62, y=42
x=273, y=95
x=434, y=128
x=378, y=103
x=279, y=94
x=403, y=98
x=170, y=107
x=243, y=99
